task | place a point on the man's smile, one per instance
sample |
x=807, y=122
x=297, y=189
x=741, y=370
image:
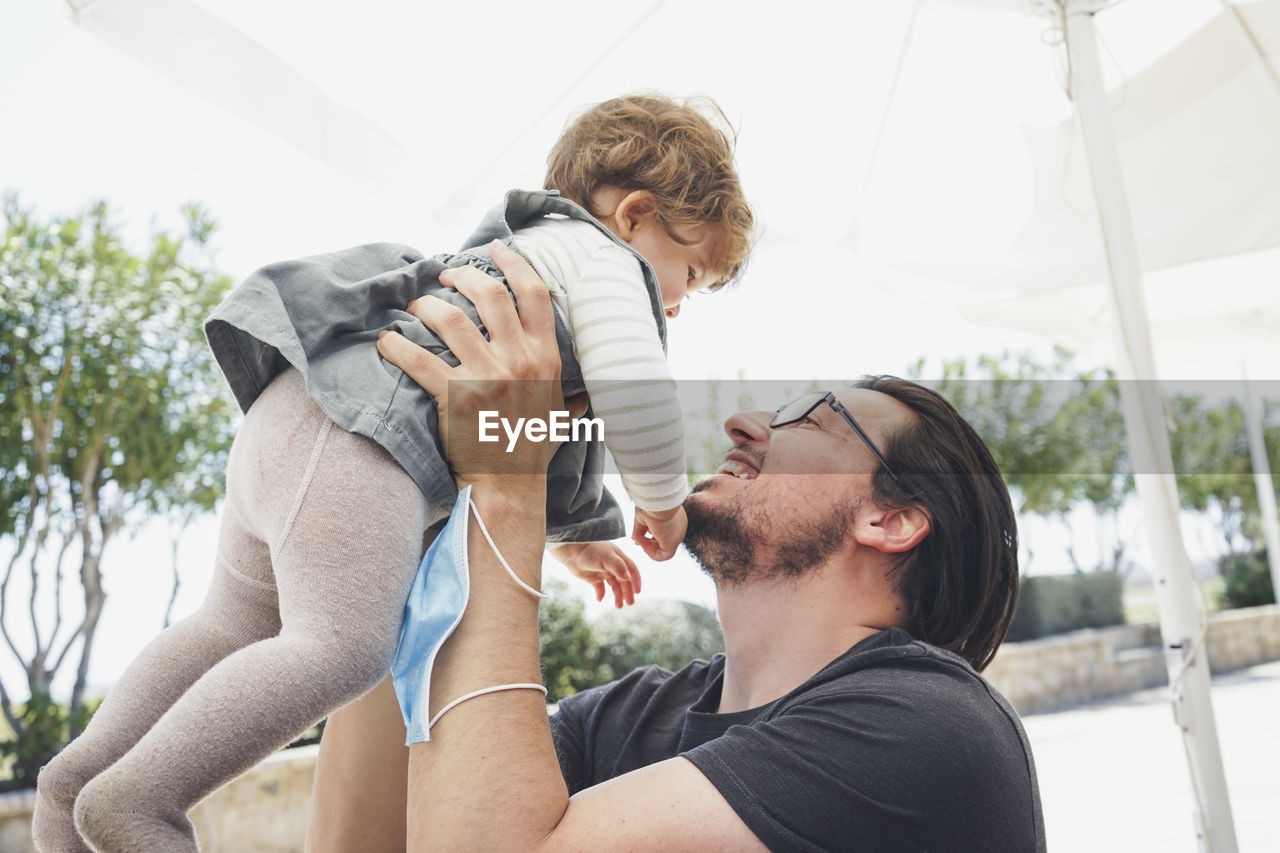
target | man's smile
x=737, y=463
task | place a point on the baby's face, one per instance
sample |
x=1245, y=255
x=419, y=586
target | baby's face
x=681, y=269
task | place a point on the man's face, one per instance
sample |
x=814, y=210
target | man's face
x=785, y=499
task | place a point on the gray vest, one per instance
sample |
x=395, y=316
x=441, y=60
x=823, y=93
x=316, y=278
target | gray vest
x=322, y=315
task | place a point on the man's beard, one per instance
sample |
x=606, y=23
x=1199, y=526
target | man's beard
x=724, y=539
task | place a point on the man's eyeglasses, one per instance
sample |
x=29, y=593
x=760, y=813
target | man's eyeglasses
x=800, y=408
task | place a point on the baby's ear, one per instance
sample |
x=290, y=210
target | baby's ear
x=636, y=207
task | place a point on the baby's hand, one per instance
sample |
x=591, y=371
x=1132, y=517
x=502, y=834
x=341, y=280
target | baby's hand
x=600, y=563
x=665, y=531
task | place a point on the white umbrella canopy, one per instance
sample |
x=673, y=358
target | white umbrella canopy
x=435, y=109
x=412, y=121
x=1207, y=318
x=1196, y=114
x=426, y=113
x=1197, y=133
x=442, y=107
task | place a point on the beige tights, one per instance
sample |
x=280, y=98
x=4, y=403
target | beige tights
x=320, y=540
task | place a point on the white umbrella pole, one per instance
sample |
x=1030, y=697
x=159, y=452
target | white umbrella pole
x=1181, y=622
x=1262, y=482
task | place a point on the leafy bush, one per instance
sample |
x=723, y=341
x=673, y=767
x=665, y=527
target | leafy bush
x=46, y=729
x=577, y=653
x=569, y=648
x=1054, y=604
x=1248, y=580
x=666, y=633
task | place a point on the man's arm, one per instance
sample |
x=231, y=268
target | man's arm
x=489, y=778
x=358, y=797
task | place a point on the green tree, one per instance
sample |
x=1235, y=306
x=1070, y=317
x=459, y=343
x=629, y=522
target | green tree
x=1246, y=580
x=578, y=654
x=663, y=632
x=1061, y=442
x=1214, y=471
x=1057, y=433
x=112, y=410
x=568, y=644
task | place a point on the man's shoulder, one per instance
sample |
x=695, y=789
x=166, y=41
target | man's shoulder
x=890, y=649
x=894, y=648
x=895, y=668
x=895, y=740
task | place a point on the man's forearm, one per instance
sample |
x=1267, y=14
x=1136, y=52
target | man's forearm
x=489, y=778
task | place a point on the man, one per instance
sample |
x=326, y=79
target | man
x=853, y=537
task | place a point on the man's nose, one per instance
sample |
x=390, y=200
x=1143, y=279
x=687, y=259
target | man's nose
x=748, y=427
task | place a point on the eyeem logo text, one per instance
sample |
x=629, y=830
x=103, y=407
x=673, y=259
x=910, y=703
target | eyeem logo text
x=560, y=428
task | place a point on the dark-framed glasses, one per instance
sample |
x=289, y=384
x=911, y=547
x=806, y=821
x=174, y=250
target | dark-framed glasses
x=801, y=407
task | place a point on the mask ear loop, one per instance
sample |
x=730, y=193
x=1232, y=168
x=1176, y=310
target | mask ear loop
x=536, y=593
x=474, y=693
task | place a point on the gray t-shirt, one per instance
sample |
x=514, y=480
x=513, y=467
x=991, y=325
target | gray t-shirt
x=894, y=745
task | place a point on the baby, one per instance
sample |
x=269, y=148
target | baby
x=322, y=528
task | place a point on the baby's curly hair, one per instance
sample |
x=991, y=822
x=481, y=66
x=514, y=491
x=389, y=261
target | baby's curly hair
x=673, y=149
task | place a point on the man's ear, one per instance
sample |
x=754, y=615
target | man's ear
x=636, y=208
x=892, y=531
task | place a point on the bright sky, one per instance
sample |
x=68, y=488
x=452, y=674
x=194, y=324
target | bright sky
x=950, y=180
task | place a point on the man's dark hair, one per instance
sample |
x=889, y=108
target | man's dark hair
x=960, y=583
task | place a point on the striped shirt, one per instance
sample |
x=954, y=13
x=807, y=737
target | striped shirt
x=600, y=289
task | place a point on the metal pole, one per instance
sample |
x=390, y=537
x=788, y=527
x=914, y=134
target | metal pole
x=1182, y=625
x=1263, y=483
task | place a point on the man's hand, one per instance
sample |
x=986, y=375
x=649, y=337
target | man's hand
x=600, y=563
x=516, y=371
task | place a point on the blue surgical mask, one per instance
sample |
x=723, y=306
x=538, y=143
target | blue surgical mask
x=435, y=606
x=433, y=610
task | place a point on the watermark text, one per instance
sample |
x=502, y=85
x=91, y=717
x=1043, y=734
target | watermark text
x=560, y=427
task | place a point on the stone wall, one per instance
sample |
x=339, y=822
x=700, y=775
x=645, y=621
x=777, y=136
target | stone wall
x=1244, y=637
x=15, y=821
x=1071, y=669
x=265, y=810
